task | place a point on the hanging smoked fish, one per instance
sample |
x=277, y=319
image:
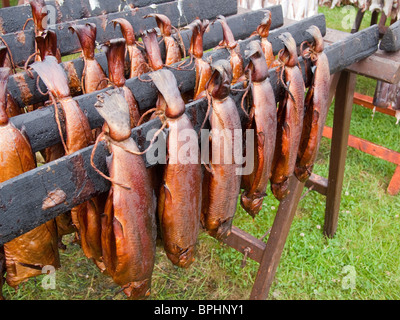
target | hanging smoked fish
x=263, y=120
x=173, y=50
x=93, y=77
x=115, y=52
x=40, y=20
x=26, y=255
x=138, y=63
x=179, y=204
x=12, y=107
x=315, y=108
x=128, y=224
x=263, y=31
x=39, y=15
x=85, y=217
x=47, y=44
x=221, y=184
x=152, y=49
x=233, y=47
x=290, y=118
x=203, y=68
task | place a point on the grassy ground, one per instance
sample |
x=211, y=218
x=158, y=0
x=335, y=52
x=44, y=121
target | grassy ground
x=366, y=246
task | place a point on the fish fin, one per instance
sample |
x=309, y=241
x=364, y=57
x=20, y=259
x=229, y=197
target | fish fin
x=118, y=228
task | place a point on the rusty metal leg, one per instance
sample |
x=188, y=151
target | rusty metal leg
x=276, y=241
x=341, y=130
x=394, y=186
x=6, y=3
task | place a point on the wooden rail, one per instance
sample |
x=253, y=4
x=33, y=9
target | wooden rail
x=12, y=19
x=23, y=88
x=22, y=43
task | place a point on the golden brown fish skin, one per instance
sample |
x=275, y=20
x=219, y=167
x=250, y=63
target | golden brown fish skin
x=12, y=107
x=203, y=68
x=138, y=64
x=153, y=52
x=115, y=52
x=315, y=109
x=179, y=204
x=128, y=224
x=173, y=51
x=263, y=120
x=290, y=121
x=232, y=45
x=221, y=188
x=94, y=77
x=27, y=254
x=78, y=136
x=132, y=221
x=263, y=31
x=180, y=201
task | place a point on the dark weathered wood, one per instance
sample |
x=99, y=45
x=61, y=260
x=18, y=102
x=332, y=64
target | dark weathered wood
x=381, y=65
x=242, y=241
x=353, y=49
x=391, y=40
x=276, y=241
x=23, y=88
x=41, y=134
x=73, y=175
x=341, y=124
x=180, y=13
x=12, y=19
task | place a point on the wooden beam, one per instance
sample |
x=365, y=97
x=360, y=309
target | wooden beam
x=276, y=241
x=318, y=184
x=242, y=242
x=342, y=118
x=66, y=11
x=367, y=102
x=23, y=88
x=394, y=185
x=391, y=40
x=358, y=47
x=22, y=43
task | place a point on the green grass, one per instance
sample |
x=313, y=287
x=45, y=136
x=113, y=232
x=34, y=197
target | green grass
x=312, y=266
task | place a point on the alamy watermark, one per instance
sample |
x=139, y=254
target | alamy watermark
x=228, y=147
x=349, y=281
x=49, y=280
